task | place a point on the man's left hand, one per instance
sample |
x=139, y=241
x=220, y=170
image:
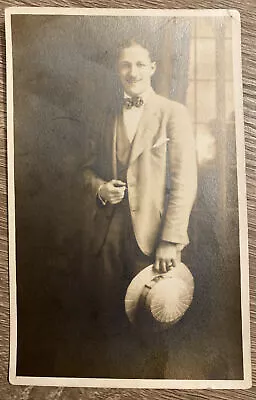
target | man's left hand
x=166, y=257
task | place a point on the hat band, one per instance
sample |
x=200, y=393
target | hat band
x=148, y=286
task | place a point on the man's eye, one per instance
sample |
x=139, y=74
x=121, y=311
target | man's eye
x=141, y=65
x=124, y=65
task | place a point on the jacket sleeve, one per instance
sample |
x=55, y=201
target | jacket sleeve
x=183, y=176
x=92, y=180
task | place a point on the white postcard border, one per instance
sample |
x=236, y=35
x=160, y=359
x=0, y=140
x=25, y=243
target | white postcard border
x=240, y=150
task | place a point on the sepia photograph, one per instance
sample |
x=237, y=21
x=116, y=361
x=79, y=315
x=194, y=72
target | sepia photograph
x=128, y=256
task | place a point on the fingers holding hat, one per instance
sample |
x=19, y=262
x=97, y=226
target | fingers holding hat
x=173, y=262
x=162, y=266
x=156, y=266
x=166, y=255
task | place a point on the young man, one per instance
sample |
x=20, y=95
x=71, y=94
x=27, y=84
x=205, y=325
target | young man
x=143, y=177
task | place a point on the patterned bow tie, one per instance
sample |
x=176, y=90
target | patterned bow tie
x=133, y=102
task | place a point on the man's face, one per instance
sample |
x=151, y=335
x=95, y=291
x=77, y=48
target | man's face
x=135, y=69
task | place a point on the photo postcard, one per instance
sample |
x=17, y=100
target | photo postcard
x=128, y=251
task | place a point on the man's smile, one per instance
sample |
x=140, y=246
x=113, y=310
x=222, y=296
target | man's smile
x=132, y=81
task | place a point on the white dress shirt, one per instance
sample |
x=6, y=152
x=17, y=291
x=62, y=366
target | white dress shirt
x=132, y=116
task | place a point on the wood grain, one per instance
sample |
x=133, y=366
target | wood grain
x=248, y=17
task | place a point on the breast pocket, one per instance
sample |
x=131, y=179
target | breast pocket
x=160, y=141
x=159, y=148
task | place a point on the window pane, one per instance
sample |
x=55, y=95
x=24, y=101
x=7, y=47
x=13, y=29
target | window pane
x=229, y=97
x=206, y=101
x=205, y=144
x=228, y=59
x=191, y=69
x=205, y=27
x=193, y=27
x=191, y=100
x=205, y=59
x=228, y=26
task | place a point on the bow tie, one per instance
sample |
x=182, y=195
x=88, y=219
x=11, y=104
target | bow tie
x=130, y=102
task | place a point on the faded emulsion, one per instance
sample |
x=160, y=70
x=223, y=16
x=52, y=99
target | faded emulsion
x=66, y=89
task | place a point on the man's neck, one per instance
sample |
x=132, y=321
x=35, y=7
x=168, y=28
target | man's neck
x=145, y=95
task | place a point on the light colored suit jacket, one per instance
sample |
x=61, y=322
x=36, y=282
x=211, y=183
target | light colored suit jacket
x=161, y=193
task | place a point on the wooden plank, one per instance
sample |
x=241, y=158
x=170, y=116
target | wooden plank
x=248, y=17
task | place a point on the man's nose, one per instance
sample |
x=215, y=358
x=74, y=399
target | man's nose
x=133, y=71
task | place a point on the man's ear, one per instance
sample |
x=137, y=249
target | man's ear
x=153, y=68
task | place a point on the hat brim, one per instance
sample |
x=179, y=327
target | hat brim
x=144, y=277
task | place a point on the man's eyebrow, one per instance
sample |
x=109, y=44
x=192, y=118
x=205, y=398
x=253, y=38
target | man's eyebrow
x=124, y=62
x=129, y=62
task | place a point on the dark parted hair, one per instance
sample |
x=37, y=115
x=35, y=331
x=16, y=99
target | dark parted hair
x=143, y=41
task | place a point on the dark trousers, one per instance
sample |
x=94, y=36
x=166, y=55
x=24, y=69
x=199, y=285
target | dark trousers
x=124, y=352
x=119, y=260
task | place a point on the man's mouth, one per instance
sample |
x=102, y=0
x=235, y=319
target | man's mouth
x=133, y=81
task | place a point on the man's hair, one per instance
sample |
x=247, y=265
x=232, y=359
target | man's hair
x=142, y=41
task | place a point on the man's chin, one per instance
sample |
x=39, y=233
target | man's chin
x=134, y=91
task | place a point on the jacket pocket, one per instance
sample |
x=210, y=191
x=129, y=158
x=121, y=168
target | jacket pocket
x=160, y=142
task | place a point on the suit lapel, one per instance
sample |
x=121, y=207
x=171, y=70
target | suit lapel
x=147, y=127
x=109, y=146
x=114, y=155
x=146, y=130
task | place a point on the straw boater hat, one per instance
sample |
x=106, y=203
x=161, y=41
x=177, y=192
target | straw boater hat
x=159, y=300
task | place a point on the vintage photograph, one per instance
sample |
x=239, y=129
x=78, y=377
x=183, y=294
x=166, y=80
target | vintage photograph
x=127, y=205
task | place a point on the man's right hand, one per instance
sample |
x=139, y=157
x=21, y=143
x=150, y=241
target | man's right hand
x=113, y=191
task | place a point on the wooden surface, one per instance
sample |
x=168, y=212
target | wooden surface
x=248, y=17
